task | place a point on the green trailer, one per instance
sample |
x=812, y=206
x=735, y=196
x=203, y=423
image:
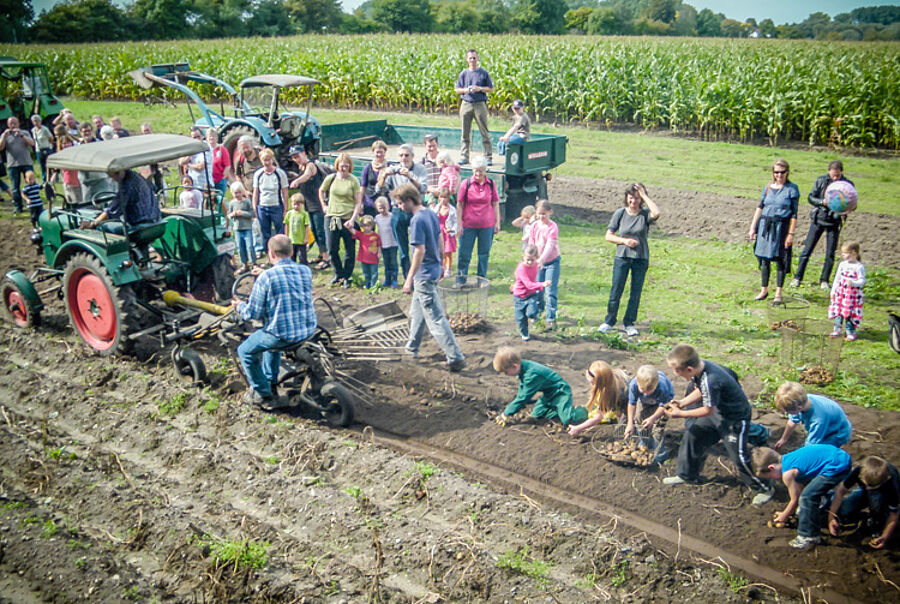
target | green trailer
x=521, y=175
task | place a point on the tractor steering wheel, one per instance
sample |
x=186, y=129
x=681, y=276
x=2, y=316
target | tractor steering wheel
x=100, y=200
x=243, y=296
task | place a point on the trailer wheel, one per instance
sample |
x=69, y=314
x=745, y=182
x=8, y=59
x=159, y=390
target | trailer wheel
x=16, y=306
x=189, y=366
x=338, y=405
x=102, y=313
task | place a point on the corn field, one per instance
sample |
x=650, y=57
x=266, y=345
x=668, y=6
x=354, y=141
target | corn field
x=844, y=94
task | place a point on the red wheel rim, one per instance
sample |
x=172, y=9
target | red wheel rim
x=93, y=309
x=15, y=304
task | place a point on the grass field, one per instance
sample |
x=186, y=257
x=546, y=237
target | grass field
x=716, y=316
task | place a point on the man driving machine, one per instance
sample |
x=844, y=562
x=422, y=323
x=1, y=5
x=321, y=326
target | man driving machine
x=282, y=299
x=134, y=202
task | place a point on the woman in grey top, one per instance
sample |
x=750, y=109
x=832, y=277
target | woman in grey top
x=628, y=229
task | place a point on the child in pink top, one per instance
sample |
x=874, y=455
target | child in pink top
x=449, y=178
x=527, y=293
x=545, y=237
x=369, y=247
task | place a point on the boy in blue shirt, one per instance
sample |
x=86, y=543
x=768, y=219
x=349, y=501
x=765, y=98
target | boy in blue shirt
x=653, y=390
x=824, y=420
x=809, y=473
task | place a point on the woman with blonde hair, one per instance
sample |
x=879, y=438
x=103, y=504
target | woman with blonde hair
x=341, y=199
x=772, y=228
x=609, y=395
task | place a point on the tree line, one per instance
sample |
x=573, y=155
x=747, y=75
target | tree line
x=104, y=20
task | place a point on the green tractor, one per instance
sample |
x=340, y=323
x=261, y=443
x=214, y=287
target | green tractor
x=112, y=285
x=25, y=91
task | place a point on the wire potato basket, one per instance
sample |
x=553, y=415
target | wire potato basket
x=790, y=312
x=640, y=449
x=465, y=303
x=811, y=351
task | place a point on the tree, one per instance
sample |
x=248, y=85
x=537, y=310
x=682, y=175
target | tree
x=269, y=18
x=885, y=15
x=540, y=16
x=605, y=21
x=15, y=15
x=82, y=20
x=314, y=15
x=685, y=21
x=709, y=24
x=493, y=16
x=403, y=15
x=650, y=27
x=577, y=18
x=731, y=28
x=661, y=10
x=221, y=18
x=161, y=19
x=815, y=25
x=455, y=17
x=358, y=23
x=767, y=29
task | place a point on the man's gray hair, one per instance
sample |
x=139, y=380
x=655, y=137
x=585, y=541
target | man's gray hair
x=407, y=147
x=479, y=163
x=247, y=139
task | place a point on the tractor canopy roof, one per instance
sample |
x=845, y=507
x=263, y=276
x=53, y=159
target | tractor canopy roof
x=125, y=153
x=11, y=62
x=279, y=80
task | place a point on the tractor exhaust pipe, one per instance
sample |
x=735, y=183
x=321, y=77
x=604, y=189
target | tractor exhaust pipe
x=173, y=298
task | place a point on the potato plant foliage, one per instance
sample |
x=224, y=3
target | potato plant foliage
x=820, y=92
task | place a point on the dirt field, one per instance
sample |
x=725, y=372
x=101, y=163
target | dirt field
x=118, y=480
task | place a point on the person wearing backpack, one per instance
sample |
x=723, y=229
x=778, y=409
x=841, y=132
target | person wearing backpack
x=478, y=206
x=312, y=173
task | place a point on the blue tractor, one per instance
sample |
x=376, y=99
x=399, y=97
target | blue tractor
x=256, y=111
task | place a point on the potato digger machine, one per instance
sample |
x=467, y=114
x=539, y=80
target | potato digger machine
x=168, y=282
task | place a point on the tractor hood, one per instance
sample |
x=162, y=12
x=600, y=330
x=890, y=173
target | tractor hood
x=279, y=80
x=125, y=153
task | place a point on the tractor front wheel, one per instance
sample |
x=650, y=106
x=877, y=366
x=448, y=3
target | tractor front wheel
x=17, y=307
x=101, y=312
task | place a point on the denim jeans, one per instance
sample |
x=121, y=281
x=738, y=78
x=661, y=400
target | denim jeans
x=485, y=238
x=809, y=515
x=370, y=274
x=317, y=224
x=42, y=155
x=859, y=499
x=425, y=310
x=260, y=356
x=244, y=241
x=271, y=222
x=515, y=139
x=257, y=236
x=550, y=272
x=16, y=174
x=342, y=269
x=400, y=224
x=527, y=308
x=851, y=324
x=621, y=267
x=389, y=254
x=222, y=188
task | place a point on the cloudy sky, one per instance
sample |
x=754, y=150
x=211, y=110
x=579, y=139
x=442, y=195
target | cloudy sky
x=779, y=11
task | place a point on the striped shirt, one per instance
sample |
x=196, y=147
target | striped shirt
x=282, y=300
x=33, y=193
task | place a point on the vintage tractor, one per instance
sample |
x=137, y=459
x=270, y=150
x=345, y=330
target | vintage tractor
x=257, y=110
x=25, y=91
x=112, y=285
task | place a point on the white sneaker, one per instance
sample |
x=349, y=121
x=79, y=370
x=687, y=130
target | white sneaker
x=526, y=338
x=795, y=283
x=673, y=480
x=631, y=331
x=824, y=285
x=604, y=328
x=764, y=497
x=802, y=543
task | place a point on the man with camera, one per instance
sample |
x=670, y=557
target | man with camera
x=392, y=178
x=473, y=85
x=18, y=145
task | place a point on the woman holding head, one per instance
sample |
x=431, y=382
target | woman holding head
x=628, y=229
x=477, y=204
x=341, y=199
x=772, y=228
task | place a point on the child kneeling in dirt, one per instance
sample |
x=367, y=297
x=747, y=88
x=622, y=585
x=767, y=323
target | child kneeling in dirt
x=877, y=487
x=808, y=473
x=824, y=420
x=654, y=390
x=556, y=399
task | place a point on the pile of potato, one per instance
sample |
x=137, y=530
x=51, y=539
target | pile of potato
x=789, y=323
x=816, y=375
x=790, y=524
x=466, y=322
x=629, y=452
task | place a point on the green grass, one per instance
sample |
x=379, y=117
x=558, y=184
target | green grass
x=659, y=160
x=174, y=405
x=520, y=562
x=241, y=553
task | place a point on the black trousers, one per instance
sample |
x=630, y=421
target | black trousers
x=335, y=233
x=765, y=270
x=703, y=433
x=812, y=238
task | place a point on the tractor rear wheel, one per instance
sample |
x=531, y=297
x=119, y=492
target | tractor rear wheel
x=102, y=313
x=16, y=306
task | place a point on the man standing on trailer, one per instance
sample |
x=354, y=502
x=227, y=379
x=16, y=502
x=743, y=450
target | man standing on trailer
x=473, y=85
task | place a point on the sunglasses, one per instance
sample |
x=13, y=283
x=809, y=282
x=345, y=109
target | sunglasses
x=779, y=171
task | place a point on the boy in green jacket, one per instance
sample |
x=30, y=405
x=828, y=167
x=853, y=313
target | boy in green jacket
x=556, y=399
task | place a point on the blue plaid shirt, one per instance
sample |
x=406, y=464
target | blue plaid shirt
x=282, y=300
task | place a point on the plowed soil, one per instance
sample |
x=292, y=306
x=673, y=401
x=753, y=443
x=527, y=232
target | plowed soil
x=117, y=477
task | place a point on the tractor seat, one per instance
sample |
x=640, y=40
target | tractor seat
x=145, y=236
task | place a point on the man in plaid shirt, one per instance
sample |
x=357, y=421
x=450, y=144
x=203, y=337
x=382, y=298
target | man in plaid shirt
x=282, y=299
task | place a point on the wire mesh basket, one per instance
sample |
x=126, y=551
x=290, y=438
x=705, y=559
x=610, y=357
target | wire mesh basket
x=640, y=449
x=790, y=312
x=465, y=304
x=811, y=351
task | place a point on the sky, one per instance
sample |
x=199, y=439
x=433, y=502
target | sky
x=780, y=11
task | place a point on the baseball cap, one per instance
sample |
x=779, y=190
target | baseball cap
x=295, y=149
x=517, y=104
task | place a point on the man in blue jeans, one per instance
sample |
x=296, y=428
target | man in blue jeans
x=282, y=299
x=421, y=281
